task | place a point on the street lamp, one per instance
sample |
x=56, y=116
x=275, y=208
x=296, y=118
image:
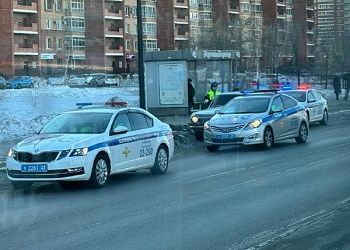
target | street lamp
x=326, y=56
x=140, y=56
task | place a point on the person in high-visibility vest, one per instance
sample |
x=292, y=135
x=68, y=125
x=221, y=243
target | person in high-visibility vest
x=213, y=91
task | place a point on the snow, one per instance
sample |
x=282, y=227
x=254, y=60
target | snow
x=24, y=111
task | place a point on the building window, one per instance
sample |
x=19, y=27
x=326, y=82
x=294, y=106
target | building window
x=48, y=24
x=135, y=45
x=59, y=44
x=59, y=24
x=127, y=44
x=149, y=11
x=58, y=5
x=76, y=24
x=127, y=28
x=126, y=11
x=150, y=45
x=77, y=5
x=48, y=43
x=48, y=4
x=78, y=43
x=149, y=28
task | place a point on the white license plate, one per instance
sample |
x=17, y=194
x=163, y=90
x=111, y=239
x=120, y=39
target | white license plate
x=225, y=137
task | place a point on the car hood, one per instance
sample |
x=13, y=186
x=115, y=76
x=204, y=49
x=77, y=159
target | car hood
x=53, y=142
x=207, y=112
x=227, y=119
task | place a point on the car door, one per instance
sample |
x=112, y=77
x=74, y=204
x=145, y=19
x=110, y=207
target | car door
x=147, y=137
x=121, y=145
x=312, y=105
x=318, y=106
x=291, y=115
x=278, y=118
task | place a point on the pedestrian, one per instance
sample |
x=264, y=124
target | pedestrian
x=191, y=95
x=346, y=79
x=336, y=86
x=212, y=92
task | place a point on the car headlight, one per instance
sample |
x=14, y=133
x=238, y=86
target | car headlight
x=79, y=152
x=254, y=124
x=206, y=126
x=194, y=119
x=12, y=153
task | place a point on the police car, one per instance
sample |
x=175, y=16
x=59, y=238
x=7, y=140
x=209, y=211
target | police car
x=200, y=117
x=90, y=144
x=316, y=106
x=263, y=118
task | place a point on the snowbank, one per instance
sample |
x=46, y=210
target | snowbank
x=24, y=111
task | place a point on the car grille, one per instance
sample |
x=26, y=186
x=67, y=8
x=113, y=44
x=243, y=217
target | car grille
x=236, y=140
x=43, y=157
x=227, y=129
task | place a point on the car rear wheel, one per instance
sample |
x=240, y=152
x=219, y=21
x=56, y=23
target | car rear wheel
x=19, y=86
x=213, y=148
x=100, y=172
x=268, y=138
x=21, y=185
x=324, y=120
x=162, y=161
x=303, y=133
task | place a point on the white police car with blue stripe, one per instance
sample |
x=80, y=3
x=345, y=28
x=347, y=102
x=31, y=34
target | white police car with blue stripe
x=257, y=118
x=90, y=144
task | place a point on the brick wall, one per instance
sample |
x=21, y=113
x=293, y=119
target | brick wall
x=6, y=38
x=165, y=24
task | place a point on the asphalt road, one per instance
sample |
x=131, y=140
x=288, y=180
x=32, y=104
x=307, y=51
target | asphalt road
x=237, y=198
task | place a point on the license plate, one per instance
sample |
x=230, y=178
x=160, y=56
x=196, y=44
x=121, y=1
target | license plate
x=34, y=168
x=225, y=137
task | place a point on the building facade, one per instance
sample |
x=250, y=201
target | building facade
x=347, y=35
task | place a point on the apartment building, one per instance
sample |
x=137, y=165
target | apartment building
x=347, y=35
x=52, y=36
x=277, y=33
x=304, y=30
x=19, y=36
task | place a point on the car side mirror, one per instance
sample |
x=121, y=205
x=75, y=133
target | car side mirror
x=119, y=130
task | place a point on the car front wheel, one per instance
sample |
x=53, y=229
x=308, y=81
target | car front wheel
x=303, y=133
x=161, y=162
x=100, y=172
x=268, y=138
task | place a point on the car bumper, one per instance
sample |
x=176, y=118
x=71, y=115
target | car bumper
x=67, y=169
x=243, y=137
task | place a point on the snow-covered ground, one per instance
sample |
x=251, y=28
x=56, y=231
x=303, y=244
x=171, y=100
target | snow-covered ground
x=24, y=111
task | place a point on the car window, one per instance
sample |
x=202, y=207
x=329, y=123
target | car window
x=138, y=121
x=78, y=123
x=316, y=95
x=221, y=100
x=311, y=97
x=300, y=96
x=122, y=120
x=289, y=102
x=277, y=105
x=246, y=105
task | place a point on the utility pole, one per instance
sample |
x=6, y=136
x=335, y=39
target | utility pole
x=140, y=56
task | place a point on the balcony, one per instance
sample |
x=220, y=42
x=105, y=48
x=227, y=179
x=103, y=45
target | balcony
x=281, y=2
x=310, y=5
x=182, y=36
x=25, y=6
x=109, y=14
x=181, y=19
x=183, y=4
x=233, y=7
x=114, y=51
x=26, y=49
x=25, y=28
x=114, y=32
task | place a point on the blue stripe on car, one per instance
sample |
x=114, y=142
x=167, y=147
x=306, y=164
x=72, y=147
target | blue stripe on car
x=128, y=139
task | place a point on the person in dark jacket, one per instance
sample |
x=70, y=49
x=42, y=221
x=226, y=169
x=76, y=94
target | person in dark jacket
x=336, y=86
x=346, y=79
x=191, y=95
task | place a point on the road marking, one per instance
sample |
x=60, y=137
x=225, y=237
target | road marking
x=340, y=111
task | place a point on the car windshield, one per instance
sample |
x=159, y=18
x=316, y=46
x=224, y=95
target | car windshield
x=78, y=123
x=300, y=96
x=221, y=100
x=246, y=105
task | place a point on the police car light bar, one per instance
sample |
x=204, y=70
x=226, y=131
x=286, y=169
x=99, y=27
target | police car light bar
x=112, y=104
